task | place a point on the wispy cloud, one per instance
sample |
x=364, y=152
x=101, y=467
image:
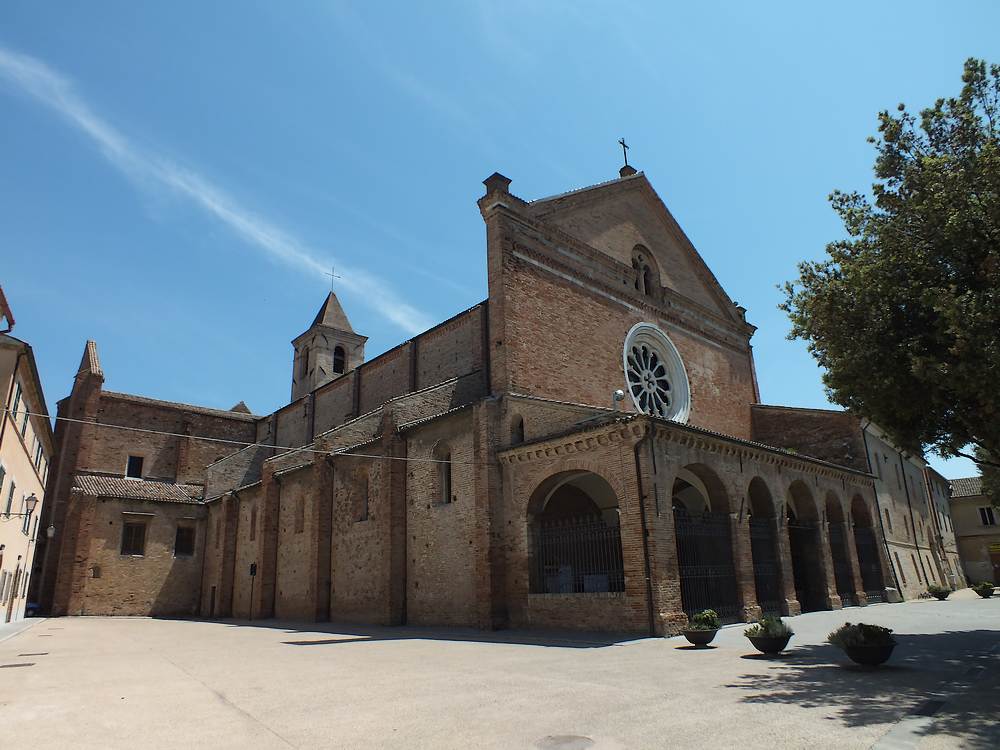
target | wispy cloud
x=152, y=170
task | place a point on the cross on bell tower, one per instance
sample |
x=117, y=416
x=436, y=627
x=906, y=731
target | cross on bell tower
x=627, y=170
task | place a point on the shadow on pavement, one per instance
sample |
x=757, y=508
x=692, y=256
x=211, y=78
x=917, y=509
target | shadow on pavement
x=924, y=669
x=341, y=633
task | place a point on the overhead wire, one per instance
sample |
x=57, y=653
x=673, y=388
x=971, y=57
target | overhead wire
x=245, y=444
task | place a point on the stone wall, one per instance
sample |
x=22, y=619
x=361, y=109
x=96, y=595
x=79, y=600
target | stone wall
x=156, y=583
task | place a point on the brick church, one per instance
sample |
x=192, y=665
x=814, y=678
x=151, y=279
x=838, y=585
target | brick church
x=577, y=451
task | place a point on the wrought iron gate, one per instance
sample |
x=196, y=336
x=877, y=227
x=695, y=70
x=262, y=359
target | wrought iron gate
x=841, y=565
x=580, y=554
x=766, y=564
x=871, y=571
x=803, y=538
x=705, y=563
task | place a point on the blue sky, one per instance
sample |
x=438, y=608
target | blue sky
x=176, y=177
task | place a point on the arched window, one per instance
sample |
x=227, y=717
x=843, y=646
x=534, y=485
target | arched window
x=647, y=277
x=517, y=430
x=339, y=358
x=442, y=455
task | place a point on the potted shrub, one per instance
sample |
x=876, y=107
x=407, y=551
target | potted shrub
x=939, y=592
x=984, y=589
x=770, y=635
x=702, y=627
x=870, y=645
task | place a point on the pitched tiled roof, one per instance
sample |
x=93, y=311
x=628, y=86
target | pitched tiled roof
x=332, y=315
x=137, y=489
x=178, y=405
x=966, y=487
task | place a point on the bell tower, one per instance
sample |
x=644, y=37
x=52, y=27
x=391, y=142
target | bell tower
x=327, y=350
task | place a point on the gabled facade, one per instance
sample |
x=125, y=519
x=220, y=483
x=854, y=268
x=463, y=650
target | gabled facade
x=578, y=450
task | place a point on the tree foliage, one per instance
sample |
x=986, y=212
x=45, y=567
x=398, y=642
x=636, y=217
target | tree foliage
x=904, y=313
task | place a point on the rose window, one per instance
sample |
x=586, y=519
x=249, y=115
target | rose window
x=655, y=374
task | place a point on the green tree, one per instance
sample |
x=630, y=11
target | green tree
x=904, y=313
x=991, y=477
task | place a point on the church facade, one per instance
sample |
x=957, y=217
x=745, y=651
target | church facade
x=580, y=450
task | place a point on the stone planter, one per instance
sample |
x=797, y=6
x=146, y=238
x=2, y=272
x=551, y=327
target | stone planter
x=985, y=592
x=870, y=656
x=769, y=644
x=700, y=637
x=941, y=596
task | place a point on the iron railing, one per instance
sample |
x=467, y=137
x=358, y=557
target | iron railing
x=842, y=573
x=575, y=555
x=810, y=585
x=766, y=565
x=705, y=564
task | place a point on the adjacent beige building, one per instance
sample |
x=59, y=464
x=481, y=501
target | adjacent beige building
x=977, y=530
x=26, y=448
x=946, y=544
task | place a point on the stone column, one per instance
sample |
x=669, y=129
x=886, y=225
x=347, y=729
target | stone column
x=669, y=617
x=792, y=605
x=826, y=566
x=739, y=527
x=851, y=551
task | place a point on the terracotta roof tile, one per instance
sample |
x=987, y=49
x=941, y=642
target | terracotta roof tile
x=137, y=489
x=966, y=487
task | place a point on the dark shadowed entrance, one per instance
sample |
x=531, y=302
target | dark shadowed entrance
x=764, y=548
x=837, y=531
x=866, y=543
x=575, y=538
x=803, y=540
x=704, y=543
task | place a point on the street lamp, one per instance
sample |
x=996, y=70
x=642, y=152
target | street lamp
x=30, y=503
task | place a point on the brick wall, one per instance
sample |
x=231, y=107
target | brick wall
x=832, y=436
x=295, y=593
x=565, y=343
x=158, y=582
x=441, y=539
x=247, y=550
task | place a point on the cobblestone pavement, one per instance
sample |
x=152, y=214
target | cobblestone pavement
x=136, y=682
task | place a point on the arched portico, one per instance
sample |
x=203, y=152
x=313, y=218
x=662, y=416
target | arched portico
x=575, y=537
x=837, y=534
x=702, y=530
x=866, y=544
x=764, y=547
x=802, y=522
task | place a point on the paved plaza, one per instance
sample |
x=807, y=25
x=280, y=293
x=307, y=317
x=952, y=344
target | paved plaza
x=138, y=682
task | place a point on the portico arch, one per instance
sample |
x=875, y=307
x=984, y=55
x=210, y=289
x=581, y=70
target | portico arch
x=866, y=544
x=575, y=537
x=764, y=547
x=802, y=521
x=704, y=543
x=837, y=533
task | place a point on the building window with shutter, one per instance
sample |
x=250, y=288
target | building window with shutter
x=133, y=467
x=134, y=538
x=184, y=541
x=986, y=515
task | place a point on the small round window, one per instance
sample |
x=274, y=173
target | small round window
x=654, y=374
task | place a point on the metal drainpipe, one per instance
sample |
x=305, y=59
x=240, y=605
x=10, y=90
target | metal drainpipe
x=645, y=531
x=878, y=512
x=909, y=509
